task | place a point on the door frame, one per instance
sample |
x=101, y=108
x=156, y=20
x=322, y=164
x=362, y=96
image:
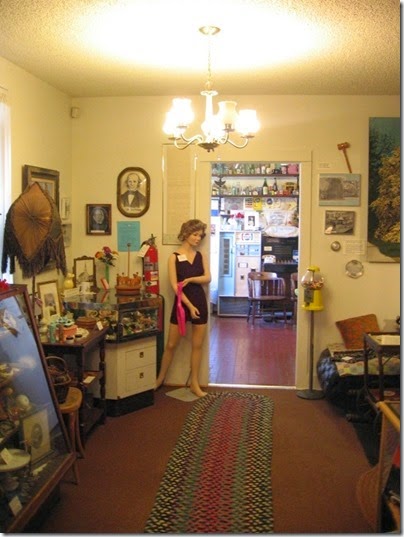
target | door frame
x=203, y=163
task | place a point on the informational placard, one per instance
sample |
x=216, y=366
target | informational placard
x=178, y=191
x=128, y=236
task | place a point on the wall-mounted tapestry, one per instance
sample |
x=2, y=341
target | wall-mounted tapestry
x=384, y=190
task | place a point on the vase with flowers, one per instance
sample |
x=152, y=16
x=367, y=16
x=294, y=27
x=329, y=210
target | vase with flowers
x=107, y=257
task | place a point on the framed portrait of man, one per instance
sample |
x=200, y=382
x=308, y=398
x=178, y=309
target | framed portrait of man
x=133, y=192
x=98, y=219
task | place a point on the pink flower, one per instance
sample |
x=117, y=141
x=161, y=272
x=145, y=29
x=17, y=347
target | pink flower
x=107, y=256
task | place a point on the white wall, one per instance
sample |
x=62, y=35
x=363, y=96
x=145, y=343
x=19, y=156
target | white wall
x=40, y=134
x=114, y=133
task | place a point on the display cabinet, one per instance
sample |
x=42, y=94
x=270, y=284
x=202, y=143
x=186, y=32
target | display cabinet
x=128, y=316
x=135, y=341
x=35, y=452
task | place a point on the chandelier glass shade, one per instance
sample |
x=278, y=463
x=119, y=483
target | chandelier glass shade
x=216, y=128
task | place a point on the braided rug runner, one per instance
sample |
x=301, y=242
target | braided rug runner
x=218, y=478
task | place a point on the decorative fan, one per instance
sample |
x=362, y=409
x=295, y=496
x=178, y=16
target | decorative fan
x=33, y=233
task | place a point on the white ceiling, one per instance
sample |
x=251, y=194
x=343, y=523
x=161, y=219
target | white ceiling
x=92, y=48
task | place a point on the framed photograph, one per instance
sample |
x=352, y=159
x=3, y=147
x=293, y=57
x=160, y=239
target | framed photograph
x=98, y=219
x=67, y=234
x=48, y=180
x=84, y=271
x=49, y=295
x=133, y=192
x=339, y=189
x=250, y=220
x=339, y=222
x=65, y=209
x=35, y=430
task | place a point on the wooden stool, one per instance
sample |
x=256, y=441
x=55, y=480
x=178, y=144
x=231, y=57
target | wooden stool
x=70, y=408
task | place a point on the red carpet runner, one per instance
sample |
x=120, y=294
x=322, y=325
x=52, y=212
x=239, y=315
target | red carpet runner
x=218, y=478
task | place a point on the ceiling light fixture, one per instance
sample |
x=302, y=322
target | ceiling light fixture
x=216, y=128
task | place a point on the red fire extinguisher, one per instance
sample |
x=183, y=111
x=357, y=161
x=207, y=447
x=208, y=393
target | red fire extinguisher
x=151, y=266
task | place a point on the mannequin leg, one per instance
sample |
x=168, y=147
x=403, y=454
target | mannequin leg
x=198, y=336
x=173, y=339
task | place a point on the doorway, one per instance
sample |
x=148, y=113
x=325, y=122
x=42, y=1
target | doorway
x=247, y=199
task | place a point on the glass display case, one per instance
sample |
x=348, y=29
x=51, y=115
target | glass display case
x=35, y=452
x=128, y=316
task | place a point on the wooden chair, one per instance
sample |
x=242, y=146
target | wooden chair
x=266, y=295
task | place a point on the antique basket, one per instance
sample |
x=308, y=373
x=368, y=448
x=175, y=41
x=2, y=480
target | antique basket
x=60, y=376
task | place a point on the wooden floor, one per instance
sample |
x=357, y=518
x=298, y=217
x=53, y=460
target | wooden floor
x=263, y=354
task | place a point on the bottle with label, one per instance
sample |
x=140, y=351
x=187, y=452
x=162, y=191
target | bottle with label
x=275, y=187
x=265, y=188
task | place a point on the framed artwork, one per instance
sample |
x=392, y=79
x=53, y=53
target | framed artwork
x=250, y=220
x=384, y=212
x=84, y=271
x=65, y=209
x=49, y=295
x=98, y=219
x=35, y=430
x=67, y=234
x=133, y=192
x=339, y=189
x=48, y=180
x=339, y=222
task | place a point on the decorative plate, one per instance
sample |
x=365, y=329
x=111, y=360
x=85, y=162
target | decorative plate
x=354, y=269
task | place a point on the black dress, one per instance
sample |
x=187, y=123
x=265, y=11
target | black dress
x=193, y=291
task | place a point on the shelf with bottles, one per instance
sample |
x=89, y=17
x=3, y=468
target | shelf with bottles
x=266, y=187
x=231, y=169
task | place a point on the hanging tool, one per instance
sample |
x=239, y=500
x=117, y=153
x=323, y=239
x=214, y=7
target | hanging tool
x=343, y=147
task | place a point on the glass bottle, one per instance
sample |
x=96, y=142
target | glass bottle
x=275, y=187
x=265, y=188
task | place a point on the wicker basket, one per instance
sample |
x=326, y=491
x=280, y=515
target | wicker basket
x=60, y=376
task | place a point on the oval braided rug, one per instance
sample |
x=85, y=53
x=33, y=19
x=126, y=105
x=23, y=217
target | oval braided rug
x=218, y=478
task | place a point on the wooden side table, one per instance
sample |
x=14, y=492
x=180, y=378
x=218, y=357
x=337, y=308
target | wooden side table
x=88, y=416
x=70, y=408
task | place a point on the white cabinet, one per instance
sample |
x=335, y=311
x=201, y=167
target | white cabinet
x=130, y=368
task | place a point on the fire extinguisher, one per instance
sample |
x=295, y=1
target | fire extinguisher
x=151, y=266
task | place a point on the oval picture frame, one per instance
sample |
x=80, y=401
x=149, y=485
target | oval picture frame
x=133, y=192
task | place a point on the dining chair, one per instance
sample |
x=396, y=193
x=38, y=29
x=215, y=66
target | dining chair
x=266, y=295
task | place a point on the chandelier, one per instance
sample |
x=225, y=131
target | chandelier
x=216, y=128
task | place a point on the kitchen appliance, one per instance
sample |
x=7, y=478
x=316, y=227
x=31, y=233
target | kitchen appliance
x=248, y=258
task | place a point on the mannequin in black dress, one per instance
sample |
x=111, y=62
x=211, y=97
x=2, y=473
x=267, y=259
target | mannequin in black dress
x=189, y=266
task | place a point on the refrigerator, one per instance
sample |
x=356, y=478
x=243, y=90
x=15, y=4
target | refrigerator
x=248, y=258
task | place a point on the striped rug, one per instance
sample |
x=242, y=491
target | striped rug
x=218, y=478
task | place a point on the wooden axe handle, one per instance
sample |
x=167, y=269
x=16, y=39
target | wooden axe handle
x=344, y=147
